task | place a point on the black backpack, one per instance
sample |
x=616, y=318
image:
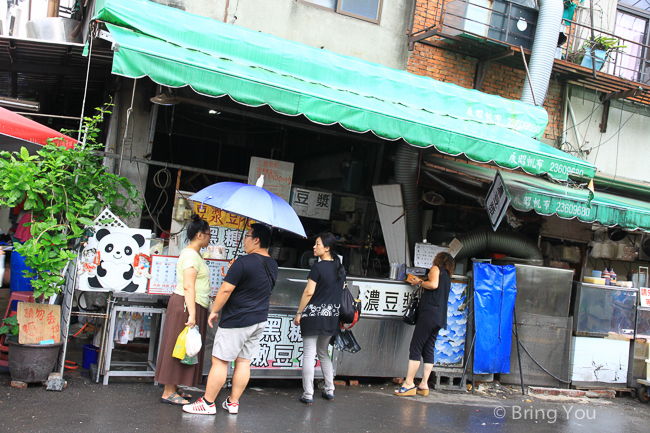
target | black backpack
x=350, y=309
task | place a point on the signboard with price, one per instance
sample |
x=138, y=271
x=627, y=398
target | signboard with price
x=278, y=175
x=497, y=201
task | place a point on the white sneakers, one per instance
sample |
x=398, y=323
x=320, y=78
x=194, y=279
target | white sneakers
x=232, y=408
x=201, y=407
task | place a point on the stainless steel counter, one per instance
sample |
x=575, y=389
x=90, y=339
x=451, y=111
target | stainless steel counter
x=383, y=336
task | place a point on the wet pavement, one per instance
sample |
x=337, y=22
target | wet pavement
x=132, y=405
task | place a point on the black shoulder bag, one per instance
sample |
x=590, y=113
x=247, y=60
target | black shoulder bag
x=411, y=314
x=268, y=272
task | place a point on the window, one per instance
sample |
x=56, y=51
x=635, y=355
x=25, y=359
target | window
x=367, y=10
x=632, y=21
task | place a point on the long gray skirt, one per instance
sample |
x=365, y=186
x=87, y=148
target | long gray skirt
x=170, y=370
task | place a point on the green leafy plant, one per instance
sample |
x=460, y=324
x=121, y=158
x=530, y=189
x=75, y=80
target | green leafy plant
x=64, y=190
x=10, y=324
x=602, y=43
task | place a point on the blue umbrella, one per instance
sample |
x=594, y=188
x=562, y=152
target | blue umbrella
x=251, y=201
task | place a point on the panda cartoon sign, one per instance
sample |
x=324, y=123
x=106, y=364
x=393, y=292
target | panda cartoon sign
x=115, y=259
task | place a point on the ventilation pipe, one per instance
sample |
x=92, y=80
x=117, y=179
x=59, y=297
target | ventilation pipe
x=407, y=163
x=543, y=52
x=455, y=189
x=512, y=244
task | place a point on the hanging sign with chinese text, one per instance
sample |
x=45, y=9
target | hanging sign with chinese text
x=311, y=204
x=278, y=175
x=497, y=201
x=38, y=322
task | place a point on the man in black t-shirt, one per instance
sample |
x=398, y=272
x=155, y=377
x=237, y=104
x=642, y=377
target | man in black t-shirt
x=243, y=300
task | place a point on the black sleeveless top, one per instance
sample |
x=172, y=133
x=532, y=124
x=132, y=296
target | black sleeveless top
x=437, y=299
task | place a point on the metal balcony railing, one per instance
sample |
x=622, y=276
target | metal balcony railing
x=510, y=23
x=631, y=61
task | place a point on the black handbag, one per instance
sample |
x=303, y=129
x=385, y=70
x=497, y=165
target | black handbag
x=350, y=308
x=411, y=314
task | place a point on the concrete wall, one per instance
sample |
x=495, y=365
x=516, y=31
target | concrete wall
x=384, y=43
x=620, y=151
x=131, y=140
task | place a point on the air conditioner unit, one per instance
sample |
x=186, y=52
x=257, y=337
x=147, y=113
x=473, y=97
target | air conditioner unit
x=500, y=20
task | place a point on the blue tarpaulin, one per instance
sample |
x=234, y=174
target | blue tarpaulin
x=495, y=291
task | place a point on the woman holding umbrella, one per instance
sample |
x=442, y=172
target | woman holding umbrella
x=188, y=306
x=318, y=315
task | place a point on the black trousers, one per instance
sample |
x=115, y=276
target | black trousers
x=423, y=341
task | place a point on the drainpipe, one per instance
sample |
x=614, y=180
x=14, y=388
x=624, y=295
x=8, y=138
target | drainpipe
x=543, y=52
x=407, y=163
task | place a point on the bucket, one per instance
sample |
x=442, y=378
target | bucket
x=90, y=354
x=19, y=282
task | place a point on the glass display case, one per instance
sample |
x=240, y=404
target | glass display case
x=605, y=310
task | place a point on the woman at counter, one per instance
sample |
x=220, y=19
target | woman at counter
x=432, y=316
x=318, y=315
x=188, y=306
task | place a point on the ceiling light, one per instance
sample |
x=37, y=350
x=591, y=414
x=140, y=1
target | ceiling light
x=165, y=99
x=19, y=104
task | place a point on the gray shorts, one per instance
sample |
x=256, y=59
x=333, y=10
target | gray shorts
x=233, y=343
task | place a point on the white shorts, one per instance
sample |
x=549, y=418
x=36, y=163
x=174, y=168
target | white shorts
x=233, y=343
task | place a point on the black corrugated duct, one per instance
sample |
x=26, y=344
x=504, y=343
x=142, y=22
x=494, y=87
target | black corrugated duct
x=407, y=162
x=478, y=241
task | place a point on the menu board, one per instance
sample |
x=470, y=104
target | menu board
x=278, y=175
x=425, y=253
x=163, y=274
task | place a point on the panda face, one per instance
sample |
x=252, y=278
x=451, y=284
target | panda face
x=119, y=252
x=118, y=248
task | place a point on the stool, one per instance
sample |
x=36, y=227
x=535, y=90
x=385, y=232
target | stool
x=15, y=297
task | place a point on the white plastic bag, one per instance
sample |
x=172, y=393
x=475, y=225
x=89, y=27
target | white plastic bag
x=193, y=342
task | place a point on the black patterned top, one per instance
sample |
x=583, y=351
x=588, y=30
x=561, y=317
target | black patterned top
x=321, y=315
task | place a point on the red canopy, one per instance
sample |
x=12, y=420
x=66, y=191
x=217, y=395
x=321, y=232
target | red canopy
x=17, y=131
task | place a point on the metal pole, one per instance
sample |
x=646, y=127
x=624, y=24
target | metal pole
x=523, y=56
x=521, y=373
x=462, y=378
x=593, y=37
x=105, y=337
x=170, y=165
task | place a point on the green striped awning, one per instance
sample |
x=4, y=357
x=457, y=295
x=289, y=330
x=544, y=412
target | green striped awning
x=177, y=49
x=530, y=193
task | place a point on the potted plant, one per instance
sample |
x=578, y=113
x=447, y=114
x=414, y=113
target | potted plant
x=64, y=190
x=601, y=47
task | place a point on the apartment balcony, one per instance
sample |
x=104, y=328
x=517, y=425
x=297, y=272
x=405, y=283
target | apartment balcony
x=500, y=31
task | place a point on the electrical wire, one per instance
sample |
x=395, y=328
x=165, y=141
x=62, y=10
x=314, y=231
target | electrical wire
x=146, y=206
x=538, y=364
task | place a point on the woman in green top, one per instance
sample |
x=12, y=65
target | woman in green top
x=188, y=306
